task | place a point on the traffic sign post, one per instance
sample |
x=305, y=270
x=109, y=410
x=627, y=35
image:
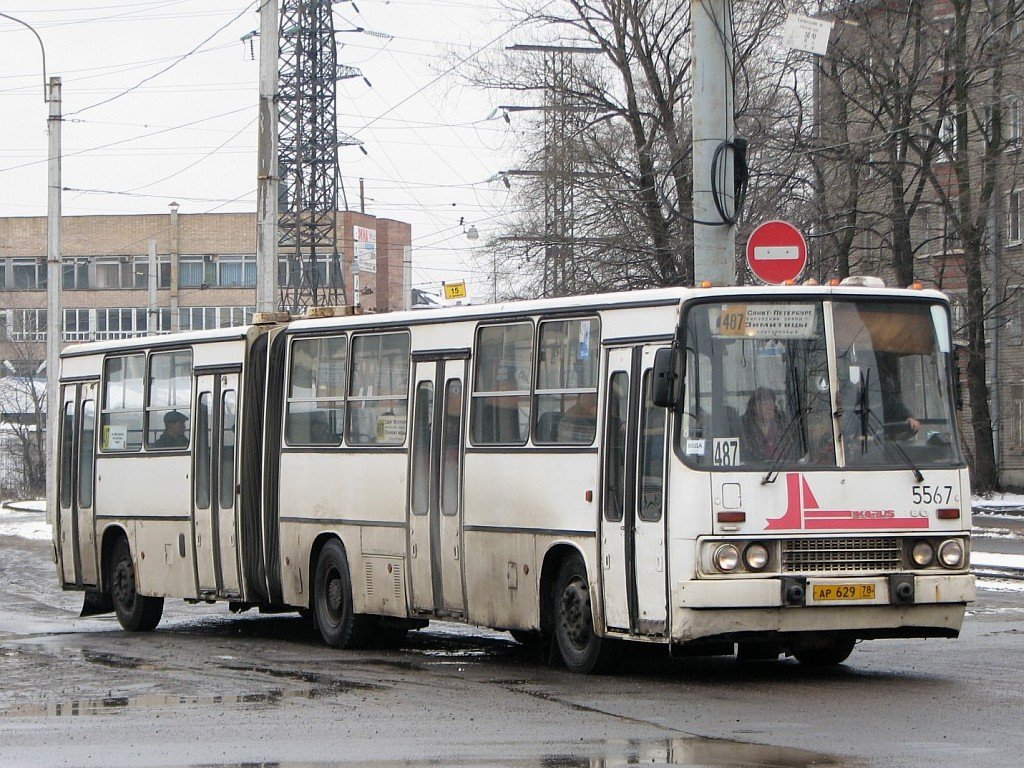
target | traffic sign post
x=776, y=252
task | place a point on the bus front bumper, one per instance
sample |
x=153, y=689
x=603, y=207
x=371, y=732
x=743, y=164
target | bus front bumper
x=876, y=606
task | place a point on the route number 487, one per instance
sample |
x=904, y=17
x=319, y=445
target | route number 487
x=932, y=494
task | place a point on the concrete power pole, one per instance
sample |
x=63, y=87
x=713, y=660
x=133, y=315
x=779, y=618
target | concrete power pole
x=267, y=171
x=54, y=277
x=714, y=238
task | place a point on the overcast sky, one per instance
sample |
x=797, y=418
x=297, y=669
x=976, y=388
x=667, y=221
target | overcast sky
x=189, y=134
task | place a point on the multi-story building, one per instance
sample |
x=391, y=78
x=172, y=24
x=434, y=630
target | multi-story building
x=206, y=275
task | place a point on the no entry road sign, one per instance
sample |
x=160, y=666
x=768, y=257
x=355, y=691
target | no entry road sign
x=776, y=252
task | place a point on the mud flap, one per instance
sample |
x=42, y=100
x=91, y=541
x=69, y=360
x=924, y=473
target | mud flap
x=96, y=602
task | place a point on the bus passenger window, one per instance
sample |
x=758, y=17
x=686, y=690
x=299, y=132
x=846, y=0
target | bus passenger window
x=451, y=439
x=566, y=404
x=86, y=454
x=121, y=421
x=422, y=439
x=226, y=470
x=378, y=400
x=204, y=440
x=501, y=384
x=652, y=456
x=169, y=403
x=316, y=391
x=615, y=451
x=67, y=446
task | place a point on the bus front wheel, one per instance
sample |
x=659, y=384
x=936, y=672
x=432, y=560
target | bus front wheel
x=340, y=626
x=135, y=612
x=581, y=649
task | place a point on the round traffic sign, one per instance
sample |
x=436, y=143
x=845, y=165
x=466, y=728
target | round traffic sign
x=776, y=252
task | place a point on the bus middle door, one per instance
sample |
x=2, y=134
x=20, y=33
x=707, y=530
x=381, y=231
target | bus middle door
x=214, y=497
x=435, y=487
x=633, y=522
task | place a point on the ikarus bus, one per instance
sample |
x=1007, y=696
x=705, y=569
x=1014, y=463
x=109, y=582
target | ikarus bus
x=759, y=471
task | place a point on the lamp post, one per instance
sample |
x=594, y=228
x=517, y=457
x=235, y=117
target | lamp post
x=51, y=95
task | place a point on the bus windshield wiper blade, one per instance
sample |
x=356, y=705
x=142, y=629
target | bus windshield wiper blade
x=783, y=446
x=878, y=430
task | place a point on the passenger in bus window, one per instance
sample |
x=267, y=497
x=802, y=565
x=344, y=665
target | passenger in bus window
x=579, y=423
x=174, y=431
x=762, y=427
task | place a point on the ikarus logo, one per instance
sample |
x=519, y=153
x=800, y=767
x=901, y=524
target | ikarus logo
x=803, y=512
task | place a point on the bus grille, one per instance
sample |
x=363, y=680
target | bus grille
x=844, y=555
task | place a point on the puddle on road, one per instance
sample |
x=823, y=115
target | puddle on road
x=690, y=751
x=154, y=701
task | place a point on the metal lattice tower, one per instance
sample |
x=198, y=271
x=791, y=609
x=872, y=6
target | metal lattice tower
x=308, y=156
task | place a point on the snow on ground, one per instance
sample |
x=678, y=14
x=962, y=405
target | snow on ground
x=995, y=533
x=996, y=560
x=25, y=522
x=998, y=502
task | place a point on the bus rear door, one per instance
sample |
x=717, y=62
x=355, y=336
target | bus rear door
x=633, y=520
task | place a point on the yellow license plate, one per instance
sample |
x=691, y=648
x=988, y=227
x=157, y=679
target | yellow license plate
x=843, y=592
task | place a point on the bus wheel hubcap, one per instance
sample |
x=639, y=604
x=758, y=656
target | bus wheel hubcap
x=335, y=596
x=576, y=614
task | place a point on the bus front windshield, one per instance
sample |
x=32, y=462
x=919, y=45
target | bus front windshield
x=759, y=394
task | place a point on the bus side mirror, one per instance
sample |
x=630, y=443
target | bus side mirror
x=667, y=377
x=958, y=390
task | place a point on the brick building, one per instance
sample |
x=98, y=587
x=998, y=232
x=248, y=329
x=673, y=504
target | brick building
x=206, y=270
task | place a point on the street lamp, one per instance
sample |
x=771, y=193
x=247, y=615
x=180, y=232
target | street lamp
x=51, y=95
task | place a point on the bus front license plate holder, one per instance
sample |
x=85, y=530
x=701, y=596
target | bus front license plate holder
x=827, y=593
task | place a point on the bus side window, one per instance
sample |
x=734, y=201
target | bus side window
x=169, y=398
x=86, y=453
x=615, y=450
x=501, y=384
x=67, y=445
x=204, y=433
x=652, y=456
x=566, y=394
x=226, y=471
x=316, y=391
x=121, y=420
x=378, y=401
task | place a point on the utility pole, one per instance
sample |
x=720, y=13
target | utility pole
x=54, y=277
x=267, y=171
x=714, y=237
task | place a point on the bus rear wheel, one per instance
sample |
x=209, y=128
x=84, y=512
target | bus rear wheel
x=827, y=652
x=340, y=626
x=135, y=612
x=582, y=650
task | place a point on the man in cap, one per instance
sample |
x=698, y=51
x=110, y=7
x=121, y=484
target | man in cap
x=174, y=431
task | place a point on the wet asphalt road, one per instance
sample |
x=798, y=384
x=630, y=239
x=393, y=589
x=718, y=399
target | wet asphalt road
x=208, y=688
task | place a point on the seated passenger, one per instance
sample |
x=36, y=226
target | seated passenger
x=173, y=435
x=761, y=427
x=579, y=423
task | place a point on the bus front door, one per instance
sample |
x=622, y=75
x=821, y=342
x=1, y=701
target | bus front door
x=633, y=520
x=214, y=485
x=435, y=487
x=76, y=529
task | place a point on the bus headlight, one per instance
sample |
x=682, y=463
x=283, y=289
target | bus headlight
x=951, y=553
x=726, y=558
x=922, y=554
x=755, y=556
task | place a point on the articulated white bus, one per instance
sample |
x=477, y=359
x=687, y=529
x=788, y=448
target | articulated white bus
x=765, y=471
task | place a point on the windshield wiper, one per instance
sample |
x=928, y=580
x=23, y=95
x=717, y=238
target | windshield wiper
x=781, y=449
x=877, y=429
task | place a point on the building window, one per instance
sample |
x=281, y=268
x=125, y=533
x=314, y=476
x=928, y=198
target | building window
x=76, y=274
x=77, y=326
x=116, y=273
x=1014, y=117
x=29, y=274
x=208, y=318
x=28, y=325
x=1014, y=314
x=948, y=135
x=120, y=323
x=230, y=270
x=1013, y=223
